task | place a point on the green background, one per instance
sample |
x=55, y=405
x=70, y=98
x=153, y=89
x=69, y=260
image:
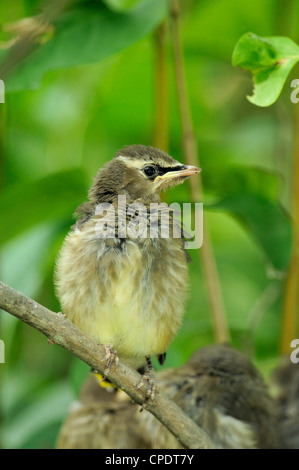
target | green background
x=88, y=92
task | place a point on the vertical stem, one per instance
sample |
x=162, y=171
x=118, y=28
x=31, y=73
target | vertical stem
x=2, y=130
x=291, y=299
x=291, y=293
x=161, y=138
x=191, y=157
x=2, y=120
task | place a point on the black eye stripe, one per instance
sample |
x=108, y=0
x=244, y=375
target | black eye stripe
x=163, y=170
x=152, y=171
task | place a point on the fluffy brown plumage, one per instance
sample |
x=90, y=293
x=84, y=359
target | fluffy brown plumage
x=286, y=381
x=218, y=388
x=125, y=291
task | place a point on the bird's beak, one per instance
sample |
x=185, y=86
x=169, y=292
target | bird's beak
x=183, y=171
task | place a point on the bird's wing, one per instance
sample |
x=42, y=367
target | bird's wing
x=83, y=213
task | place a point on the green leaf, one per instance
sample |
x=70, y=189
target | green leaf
x=53, y=197
x=266, y=221
x=270, y=60
x=85, y=35
x=233, y=179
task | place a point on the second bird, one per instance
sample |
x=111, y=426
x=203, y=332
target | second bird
x=126, y=291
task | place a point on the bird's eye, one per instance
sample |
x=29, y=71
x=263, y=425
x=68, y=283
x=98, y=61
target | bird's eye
x=149, y=170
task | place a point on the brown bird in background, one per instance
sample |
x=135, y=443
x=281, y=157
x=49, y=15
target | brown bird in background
x=286, y=380
x=128, y=292
x=218, y=388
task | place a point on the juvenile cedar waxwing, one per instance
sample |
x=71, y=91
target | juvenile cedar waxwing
x=104, y=418
x=218, y=388
x=128, y=292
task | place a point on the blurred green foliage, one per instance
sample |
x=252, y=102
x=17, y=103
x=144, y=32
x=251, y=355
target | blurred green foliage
x=78, y=99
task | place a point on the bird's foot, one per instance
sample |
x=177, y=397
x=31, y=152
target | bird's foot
x=151, y=389
x=111, y=359
x=148, y=383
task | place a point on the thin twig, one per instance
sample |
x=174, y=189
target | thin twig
x=161, y=138
x=61, y=331
x=191, y=156
x=28, y=42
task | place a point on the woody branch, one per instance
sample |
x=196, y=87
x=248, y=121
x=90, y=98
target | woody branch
x=62, y=332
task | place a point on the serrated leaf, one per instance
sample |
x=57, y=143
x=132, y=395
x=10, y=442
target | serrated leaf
x=270, y=60
x=266, y=221
x=85, y=35
x=253, y=53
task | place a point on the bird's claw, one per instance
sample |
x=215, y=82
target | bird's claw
x=151, y=389
x=111, y=359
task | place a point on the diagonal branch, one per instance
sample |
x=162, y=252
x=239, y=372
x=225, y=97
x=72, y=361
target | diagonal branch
x=61, y=331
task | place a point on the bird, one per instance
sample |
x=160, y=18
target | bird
x=102, y=418
x=285, y=380
x=225, y=394
x=218, y=387
x=127, y=291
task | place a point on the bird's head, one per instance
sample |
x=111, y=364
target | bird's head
x=139, y=172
